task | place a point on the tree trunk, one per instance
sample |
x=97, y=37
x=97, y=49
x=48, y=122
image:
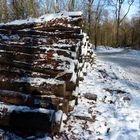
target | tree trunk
x=132, y=37
x=95, y=37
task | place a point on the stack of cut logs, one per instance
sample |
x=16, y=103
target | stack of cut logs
x=40, y=62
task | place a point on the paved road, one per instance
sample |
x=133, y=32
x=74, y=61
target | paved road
x=130, y=63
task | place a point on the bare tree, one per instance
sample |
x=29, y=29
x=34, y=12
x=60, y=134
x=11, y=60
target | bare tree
x=56, y=6
x=71, y=5
x=135, y=32
x=118, y=9
x=98, y=12
x=3, y=11
x=90, y=10
x=33, y=8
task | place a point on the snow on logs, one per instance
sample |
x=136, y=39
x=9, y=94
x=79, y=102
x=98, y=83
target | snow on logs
x=41, y=61
x=23, y=119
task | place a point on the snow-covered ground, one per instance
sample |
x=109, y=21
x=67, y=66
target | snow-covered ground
x=102, y=49
x=127, y=59
x=134, y=53
x=108, y=107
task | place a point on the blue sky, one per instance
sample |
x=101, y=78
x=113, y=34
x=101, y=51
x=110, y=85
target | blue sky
x=133, y=11
x=134, y=8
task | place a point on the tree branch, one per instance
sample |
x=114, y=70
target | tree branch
x=130, y=4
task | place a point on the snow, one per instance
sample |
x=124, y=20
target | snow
x=109, y=102
x=6, y=135
x=45, y=18
x=45, y=138
x=68, y=68
x=131, y=52
x=9, y=135
x=58, y=116
x=61, y=45
x=135, y=53
x=75, y=13
x=85, y=43
x=115, y=113
x=102, y=49
x=39, y=81
x=24, y=108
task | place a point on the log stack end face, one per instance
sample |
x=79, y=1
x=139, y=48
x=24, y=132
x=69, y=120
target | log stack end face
x=41, y=62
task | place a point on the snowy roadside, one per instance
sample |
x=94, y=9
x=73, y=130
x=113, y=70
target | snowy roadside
x=102, y=49
x=131, y=52
x=134, y=53
x=108, y=107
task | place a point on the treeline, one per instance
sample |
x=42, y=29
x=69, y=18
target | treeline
x=105, y=21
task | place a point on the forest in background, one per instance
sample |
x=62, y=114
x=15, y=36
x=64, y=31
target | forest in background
x=105, y=21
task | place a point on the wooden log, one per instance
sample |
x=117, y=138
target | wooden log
x=65, y=22
x=38, y=42
x=19, y=27
x=60, y=28
x=47, y=61
x=36, y=101
x=50, y=102
x=43, y=34
x=13, y=97
x=70, y=86
x=43, y=89
x=26, y=66
x=46, y=29
x=20, y=48
x=7, y=75
x=55, y=22
x=27, y=49
x=65, y=106
x=52, y=99
x=36, y=68
x=24, y=120
x=17, y=72
x=19, y=56
x=24, y=53
x=77, y=22
x=30, y=122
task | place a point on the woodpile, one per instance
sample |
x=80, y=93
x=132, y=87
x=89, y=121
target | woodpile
x=41, y=62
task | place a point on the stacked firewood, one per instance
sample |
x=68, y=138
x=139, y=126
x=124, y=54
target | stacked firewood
x=87, y=57
x=40, y=60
